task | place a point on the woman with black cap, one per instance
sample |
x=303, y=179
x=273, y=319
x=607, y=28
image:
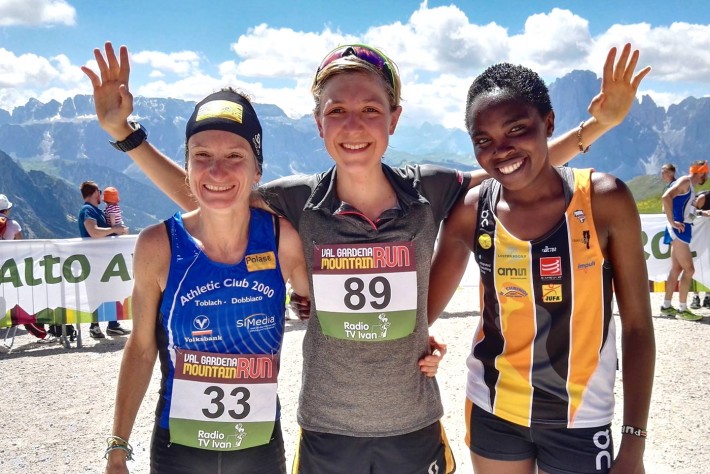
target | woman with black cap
x=209, y=300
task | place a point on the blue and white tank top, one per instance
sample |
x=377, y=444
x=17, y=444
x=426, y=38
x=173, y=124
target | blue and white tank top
x=684, y=206
x=212, y=312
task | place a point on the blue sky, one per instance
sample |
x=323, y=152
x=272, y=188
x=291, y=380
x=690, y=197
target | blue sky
x=269, y=48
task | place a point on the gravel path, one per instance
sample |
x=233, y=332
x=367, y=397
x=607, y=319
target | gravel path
x=57, y=404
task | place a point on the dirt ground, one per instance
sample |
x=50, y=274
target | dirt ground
x=57, y=403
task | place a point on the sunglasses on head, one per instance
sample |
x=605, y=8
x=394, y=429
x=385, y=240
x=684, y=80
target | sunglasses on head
x=366, y=53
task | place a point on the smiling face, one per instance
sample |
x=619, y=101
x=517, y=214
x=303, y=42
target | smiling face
x=509, y=137
x=221, y=169
x=355, y=119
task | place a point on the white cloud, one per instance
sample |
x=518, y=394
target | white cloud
x=679, y=52
x=294, y=98
x=36, y=13
x=440, y=40
x=182, y=63
x=25, y=70
x=193, y=87
x=441, y=101
x=552, y=44
x=283, y=52
x=28, y=75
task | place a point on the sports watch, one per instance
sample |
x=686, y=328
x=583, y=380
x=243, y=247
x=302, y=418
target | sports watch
x=138, y=136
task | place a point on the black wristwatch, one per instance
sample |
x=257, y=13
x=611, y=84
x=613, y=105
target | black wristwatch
x=138, y=136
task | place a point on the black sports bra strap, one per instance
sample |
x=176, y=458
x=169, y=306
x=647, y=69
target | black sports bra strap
x=277, y=229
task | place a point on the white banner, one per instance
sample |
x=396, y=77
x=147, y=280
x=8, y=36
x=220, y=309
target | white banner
x=90, y=280
x=66, y=280
x=657, y=253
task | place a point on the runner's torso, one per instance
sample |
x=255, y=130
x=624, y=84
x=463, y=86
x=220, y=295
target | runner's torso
x=684, y=207
x=544, y=352
x=369, y=291
x=219, y=335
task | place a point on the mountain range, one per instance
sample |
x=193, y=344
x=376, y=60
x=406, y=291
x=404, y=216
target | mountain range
x=48, y=149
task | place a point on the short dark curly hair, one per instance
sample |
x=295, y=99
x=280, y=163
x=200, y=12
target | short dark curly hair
x=517, y=81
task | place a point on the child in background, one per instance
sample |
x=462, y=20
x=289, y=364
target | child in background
x=113, y=214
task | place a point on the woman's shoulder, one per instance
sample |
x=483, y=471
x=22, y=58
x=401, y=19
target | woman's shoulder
x=154, y=235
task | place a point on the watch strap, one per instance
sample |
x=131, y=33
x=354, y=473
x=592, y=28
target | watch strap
x=138, y=136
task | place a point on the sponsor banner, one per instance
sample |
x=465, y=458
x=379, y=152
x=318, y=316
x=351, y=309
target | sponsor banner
x=66, y=281
x=74, y=281
x=656, y=252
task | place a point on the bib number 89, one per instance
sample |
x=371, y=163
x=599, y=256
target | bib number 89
x=379, y=289
x=241, y=396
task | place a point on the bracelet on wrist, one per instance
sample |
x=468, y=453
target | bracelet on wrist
x=582, y=149
x=116, y=442
x=129, y=452
x=632, y=430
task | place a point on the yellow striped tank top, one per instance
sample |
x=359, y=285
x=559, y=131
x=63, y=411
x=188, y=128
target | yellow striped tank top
x=544, y=351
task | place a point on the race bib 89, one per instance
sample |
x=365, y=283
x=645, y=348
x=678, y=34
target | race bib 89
x=366, y=292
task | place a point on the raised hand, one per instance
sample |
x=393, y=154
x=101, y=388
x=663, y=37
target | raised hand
x=112, y=99
x=619, y=87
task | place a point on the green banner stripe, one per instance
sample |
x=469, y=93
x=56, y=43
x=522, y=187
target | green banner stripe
x=220, y=436
x=368, y=326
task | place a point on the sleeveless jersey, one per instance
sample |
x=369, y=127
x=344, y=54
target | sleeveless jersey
x=219, y=334
x=684, y=206
x=544, y=352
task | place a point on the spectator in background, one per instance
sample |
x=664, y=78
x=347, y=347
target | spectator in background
x=679, y=208
x=10, y=229
x=92, y=223
x=668, y=174
x=112, y=212
x=702, y=204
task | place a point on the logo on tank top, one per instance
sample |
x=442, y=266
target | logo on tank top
x=201, y=331
x=260, y=261
x=552, y=293
x=579, y=214
x=484, y=240
x=586, y=236
x=514, y=292
x=257, y=322
x=485, y=213
x=550, y=267
x=201, y=323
